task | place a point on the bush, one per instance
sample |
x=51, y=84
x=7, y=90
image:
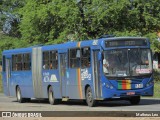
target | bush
x=156, y=75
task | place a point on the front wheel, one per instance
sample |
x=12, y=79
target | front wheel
x=89, y=98
x=135, y=100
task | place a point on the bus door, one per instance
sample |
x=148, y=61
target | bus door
x=96, y=72
x=8, y=74
x=63, y=78
x=37, y=72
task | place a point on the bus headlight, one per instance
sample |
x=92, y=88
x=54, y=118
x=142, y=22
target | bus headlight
x=109, y=86
x=149, y=83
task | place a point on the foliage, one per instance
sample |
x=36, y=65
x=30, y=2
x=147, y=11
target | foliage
x=156, y=76
x=51, y=21
x=155, y=44
x=156, y=90
x=7, y=42
x=57, y=21
x=9, y=19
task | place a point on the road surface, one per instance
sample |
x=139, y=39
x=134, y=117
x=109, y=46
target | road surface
x=11, y=104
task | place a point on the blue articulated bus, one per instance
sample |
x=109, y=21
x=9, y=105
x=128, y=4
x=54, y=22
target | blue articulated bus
x=92, y=70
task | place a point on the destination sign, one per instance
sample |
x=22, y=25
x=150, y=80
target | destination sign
x=126, y=42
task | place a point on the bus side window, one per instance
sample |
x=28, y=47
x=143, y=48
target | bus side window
x=53, y=60
x=26, y=61
x=14, y=62
x=46, y=60
x=74, y=58
x=4, y=64
x=85, y=59
x=19, y=62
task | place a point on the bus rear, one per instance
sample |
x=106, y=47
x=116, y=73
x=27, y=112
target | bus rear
x=126, y=69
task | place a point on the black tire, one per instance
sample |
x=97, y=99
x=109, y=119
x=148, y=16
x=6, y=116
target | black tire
x=84, y=102
x=89, y=98
x=135, y=100
x=19, y=95
x=27, y=99
x=51, y=98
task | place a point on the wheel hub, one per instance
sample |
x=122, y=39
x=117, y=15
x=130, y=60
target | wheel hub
x=90, y=97
x=18, y=95
x=50, y=96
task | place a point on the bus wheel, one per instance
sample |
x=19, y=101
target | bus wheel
x=135, y=100
x=27, y=99
x=19, y=95
x=89, y=98
x=51, y=98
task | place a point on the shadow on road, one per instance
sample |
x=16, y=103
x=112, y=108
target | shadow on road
x=110, y=103
x=127, y=103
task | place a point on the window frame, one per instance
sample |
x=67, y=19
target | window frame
x=20, y=62
x=74, y=59
x=86, y=57
x=45, y=62
x=50, y=60
x=28, y=61
x=4, y=63
x=54, y=60
x=78, y=59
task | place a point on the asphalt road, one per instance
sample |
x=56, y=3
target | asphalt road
x=11, y=104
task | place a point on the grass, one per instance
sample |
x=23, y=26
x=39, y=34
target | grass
x=157, y=90
x=0, y=84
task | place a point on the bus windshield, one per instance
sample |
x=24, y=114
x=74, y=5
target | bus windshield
x=127, y=62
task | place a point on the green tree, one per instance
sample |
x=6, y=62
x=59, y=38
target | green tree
x=9, y=18
x=49, y=21
x=57, y=21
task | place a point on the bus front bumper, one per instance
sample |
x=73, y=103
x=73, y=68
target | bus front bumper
x=114, y=93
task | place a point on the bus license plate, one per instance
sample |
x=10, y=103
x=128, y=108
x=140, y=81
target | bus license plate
x=138, y=85
x=130, y=93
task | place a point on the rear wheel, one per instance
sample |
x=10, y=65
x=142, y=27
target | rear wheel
x=27, y=99
x=89, y=98
x=19, y=95
x=135, y=100
x=51, y=98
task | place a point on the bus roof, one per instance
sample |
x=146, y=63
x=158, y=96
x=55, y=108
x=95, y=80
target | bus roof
x=70, y=44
